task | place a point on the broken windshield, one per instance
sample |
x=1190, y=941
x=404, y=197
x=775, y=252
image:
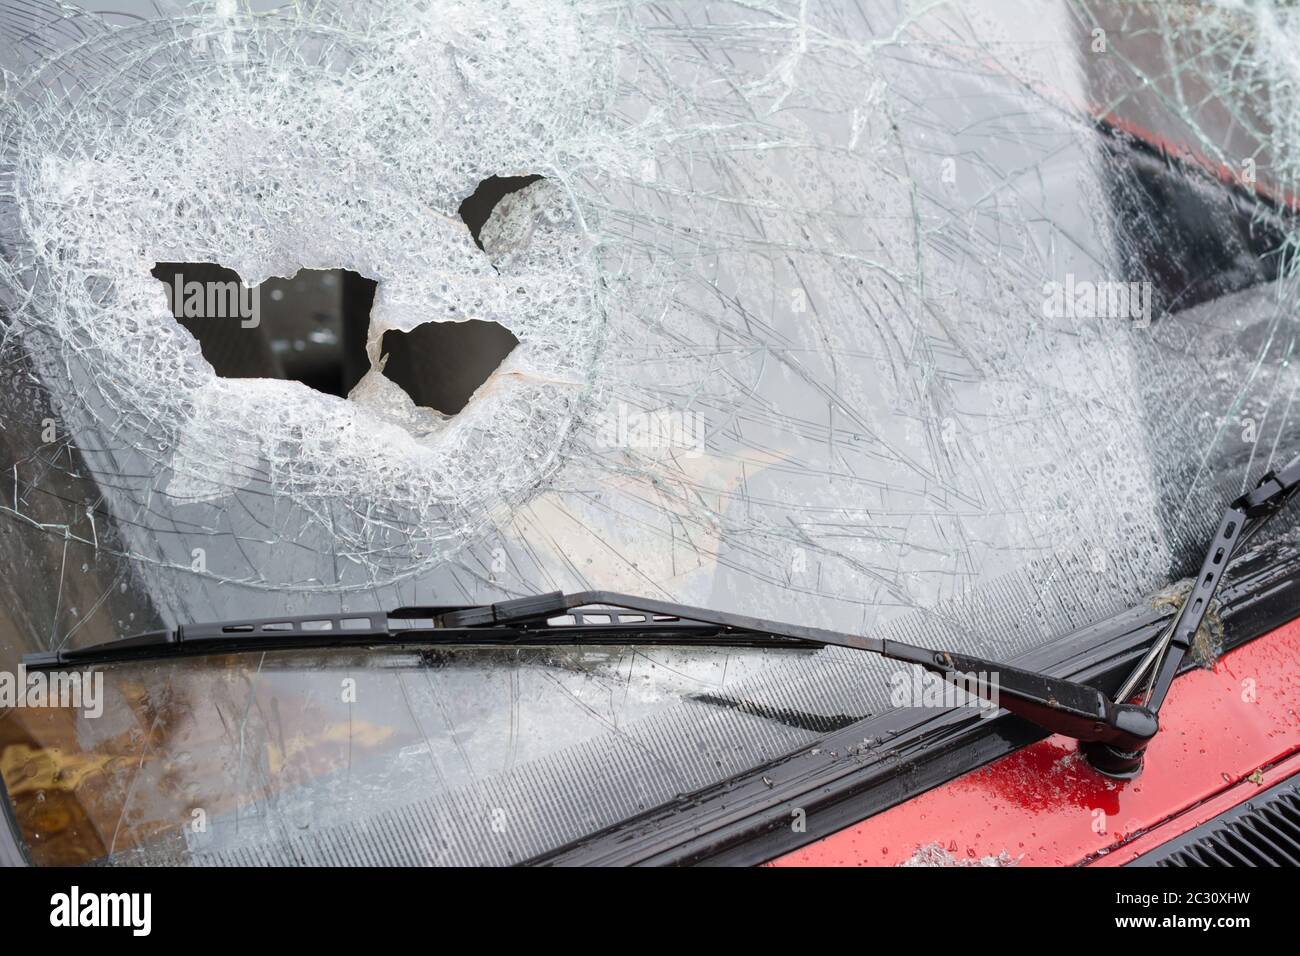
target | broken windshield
x=951, y=322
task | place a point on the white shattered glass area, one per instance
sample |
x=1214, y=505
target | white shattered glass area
x=793, y=341
x=273, y=145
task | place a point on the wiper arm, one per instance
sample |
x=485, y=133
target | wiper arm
x=1113, y=733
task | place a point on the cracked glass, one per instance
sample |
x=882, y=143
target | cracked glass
x=951, y=322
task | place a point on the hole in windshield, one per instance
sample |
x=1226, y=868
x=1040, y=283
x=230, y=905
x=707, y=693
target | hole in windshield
x=475, y=210
x=312, y=328
x=441, y=364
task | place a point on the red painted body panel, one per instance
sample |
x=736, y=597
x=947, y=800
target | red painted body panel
x=1044, y=806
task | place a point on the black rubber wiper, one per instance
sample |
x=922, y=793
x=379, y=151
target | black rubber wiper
x=1113, y=733
x=1151, y=679
x=591, y=617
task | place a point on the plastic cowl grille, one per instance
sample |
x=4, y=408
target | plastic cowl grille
x=1261, y=832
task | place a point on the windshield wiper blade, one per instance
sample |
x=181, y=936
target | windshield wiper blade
x=1056, y=705
x=411, y=627
x=1113, y=734
x=1150, y=681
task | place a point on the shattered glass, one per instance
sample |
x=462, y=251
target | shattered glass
x=953, y=322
